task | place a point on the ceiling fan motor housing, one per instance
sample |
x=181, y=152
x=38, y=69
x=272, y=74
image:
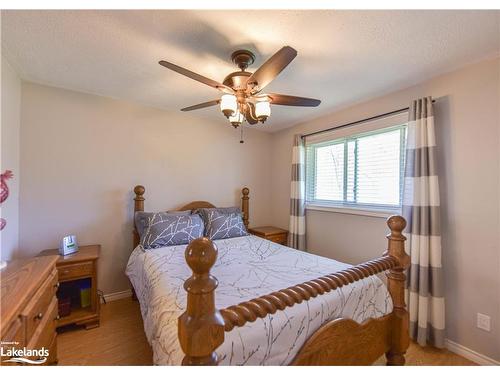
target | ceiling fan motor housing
x=243, y=58
x=237, y=80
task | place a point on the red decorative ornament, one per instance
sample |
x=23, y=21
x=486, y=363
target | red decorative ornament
x=4, y=192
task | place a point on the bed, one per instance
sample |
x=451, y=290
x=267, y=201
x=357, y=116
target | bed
x=249, y=301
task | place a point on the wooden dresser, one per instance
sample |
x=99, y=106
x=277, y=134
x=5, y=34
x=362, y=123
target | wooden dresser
x=29, y=307
x=274, y=234
x=73, y=268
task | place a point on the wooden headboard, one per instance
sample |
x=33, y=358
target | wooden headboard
x=139, y=191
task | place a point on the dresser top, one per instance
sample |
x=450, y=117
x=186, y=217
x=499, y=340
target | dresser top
x=89, y=252
x=19, y=281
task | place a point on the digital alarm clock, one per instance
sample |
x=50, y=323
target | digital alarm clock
x=68, y=245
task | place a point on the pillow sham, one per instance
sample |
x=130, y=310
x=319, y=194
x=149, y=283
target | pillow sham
x=141, y=218
x=223, y=210
x=223, y=222
x=165, y=229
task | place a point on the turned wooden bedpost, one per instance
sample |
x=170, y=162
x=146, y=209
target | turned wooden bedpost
x=201, y=326
x=396, y=285
x=138, y=206
x=244, y=205
x=139, y=191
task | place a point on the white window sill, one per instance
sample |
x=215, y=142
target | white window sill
x=352, y=210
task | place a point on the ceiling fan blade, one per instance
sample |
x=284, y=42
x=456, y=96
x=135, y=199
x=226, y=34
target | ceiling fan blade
x=270, y=69
x=250, y=115
x=201, y=105
x=296, y=101
x=197, y=77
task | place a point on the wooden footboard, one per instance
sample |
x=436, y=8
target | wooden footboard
x=339, y=342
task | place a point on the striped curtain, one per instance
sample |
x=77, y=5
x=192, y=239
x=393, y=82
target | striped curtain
x=424, y=293
x=297, y=228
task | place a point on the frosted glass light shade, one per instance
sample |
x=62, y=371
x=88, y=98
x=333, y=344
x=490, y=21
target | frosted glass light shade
x=262, y=110
x=228, y=104
x=236, y=119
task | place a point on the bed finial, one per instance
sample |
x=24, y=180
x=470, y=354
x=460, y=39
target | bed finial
x=139, y=191
x=396, y=224
x=244, y=205
x=201, y=326
x=396, y=245
x=396, y=285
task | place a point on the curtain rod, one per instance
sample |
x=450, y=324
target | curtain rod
x=359, y=121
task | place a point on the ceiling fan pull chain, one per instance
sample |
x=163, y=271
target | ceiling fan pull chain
x=241, y=134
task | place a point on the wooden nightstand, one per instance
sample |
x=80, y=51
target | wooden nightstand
x=274, y=234
x=75, y=270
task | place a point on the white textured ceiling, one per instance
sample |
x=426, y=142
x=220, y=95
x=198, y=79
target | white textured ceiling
x=344, y=56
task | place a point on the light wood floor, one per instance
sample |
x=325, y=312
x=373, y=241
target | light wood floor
x=120, y=340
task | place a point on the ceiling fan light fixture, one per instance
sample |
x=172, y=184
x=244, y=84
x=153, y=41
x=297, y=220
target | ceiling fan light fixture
x=242, y=100
x=236, y=119
x=228, y=105
x=262, y=110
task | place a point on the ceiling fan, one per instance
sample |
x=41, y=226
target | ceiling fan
x=242, y=97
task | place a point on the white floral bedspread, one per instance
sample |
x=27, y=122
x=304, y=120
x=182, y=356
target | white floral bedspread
x=248, y=267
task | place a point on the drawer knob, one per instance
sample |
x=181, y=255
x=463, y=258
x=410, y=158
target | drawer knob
x=39, y=316
x=56, y=285
x=57, y=317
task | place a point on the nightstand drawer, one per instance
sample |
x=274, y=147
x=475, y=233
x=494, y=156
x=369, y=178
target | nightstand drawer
x=278, y=238
x=270, y=233
x=73, y=271
x=38, y=307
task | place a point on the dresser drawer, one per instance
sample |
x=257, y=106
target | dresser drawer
x=14, y=334
x=73, y=271
x=28, y=304
x=45, y=333
x=38, y=307
x=13, y=339
x=52, y=359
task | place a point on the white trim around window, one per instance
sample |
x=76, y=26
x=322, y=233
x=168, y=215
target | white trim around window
x=366, y=211
x=343, y=181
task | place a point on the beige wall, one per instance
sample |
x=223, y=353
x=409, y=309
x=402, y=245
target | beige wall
x=467, y=122
x=9, y=159
x=81, y=155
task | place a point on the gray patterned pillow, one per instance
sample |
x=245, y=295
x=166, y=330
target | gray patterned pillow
x=142, y=218
x=164, y=229
x=223, y=222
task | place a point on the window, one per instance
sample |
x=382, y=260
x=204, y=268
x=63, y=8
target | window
x=363, y=170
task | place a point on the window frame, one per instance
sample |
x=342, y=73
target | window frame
x=343, y=206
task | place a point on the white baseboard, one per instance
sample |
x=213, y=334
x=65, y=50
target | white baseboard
x=118, y=295
x=470, y=354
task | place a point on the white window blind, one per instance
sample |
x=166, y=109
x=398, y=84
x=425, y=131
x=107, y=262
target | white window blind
x=361, y=170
